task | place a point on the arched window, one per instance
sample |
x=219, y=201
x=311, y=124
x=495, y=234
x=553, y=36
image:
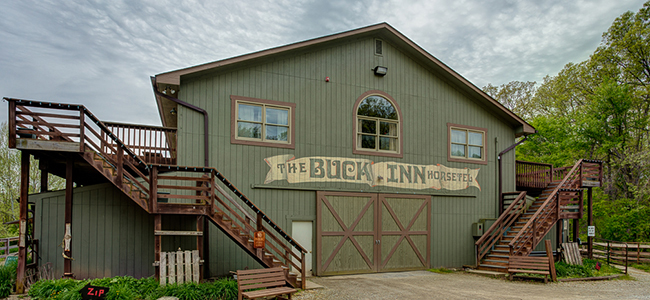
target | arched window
x=377, y=125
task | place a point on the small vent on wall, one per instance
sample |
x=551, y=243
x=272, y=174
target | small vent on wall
x=379, y=47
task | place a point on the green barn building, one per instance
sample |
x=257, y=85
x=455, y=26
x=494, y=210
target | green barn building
x=356, y=152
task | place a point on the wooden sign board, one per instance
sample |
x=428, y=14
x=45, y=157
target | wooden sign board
x=259, y=239
x=93, y=292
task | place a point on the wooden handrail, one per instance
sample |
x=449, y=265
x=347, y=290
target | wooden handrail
x=546, y=205
x=505, y=220
x=237, y=193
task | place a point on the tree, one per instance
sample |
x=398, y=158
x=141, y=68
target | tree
x=515, y=95
x=10, y=182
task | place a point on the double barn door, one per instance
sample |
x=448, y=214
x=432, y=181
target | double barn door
x=365, y=233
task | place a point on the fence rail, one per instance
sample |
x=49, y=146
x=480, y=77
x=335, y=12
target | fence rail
x=619, y=253
x=156, y=145
x=6, y=245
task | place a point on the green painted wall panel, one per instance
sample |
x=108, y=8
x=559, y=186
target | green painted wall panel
x=324, y=128
x=111, y=236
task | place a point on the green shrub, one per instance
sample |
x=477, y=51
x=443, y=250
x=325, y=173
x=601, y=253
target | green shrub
x=588, y=269
x=131, y=288
x=7, y=279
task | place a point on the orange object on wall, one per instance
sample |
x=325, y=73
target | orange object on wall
x=259, y=240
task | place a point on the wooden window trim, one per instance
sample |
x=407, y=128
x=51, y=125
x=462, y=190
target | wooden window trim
x=400, y=124
x=482, y=161
x=233, y=122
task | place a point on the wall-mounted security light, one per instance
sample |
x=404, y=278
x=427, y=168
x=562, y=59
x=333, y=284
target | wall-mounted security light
x=380, y=71
x=173, y=111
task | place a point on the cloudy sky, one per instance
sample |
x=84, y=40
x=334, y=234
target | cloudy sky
x=101, y=53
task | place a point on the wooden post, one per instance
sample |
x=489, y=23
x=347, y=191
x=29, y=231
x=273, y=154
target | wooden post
x=22, y=238
x=558, y=233
x=199, y=243
x=157, y=226
x=44, y=175
x=576, y=230
x=551, y=261
x=303, y=271
x=67, y=238
x=12, y=124
x=153, y=190
x=260, y=227
x=590, y=222
x=82, y=128
x=120, y=166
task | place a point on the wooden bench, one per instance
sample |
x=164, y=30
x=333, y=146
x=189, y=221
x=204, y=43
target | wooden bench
x=264, y=283
x=531, y=265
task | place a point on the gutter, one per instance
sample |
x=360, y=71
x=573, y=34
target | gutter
x=500, y=167
x=206, y=138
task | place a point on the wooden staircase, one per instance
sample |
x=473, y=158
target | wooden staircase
x=63, y=132
x=521, y=227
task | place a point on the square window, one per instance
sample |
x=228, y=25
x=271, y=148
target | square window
x=467, y=144
x=261, y=122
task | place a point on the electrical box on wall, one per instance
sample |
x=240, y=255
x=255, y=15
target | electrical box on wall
x=477, y=229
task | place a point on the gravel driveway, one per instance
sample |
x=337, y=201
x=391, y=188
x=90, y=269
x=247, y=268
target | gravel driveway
x=461, y=285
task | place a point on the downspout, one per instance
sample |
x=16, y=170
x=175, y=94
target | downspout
x=206, y=138
x=501, y=171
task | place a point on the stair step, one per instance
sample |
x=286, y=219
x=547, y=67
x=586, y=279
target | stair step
x=492, y=266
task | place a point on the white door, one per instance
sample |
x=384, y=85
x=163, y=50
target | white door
x=301, y=231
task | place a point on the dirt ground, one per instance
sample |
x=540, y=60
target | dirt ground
x=461, y=285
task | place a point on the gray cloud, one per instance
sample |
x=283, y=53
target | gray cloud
x=101, y=53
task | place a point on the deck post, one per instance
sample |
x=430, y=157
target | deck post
x=576, y=230
x=157, y=227
x=260, y=227
x=199, y=243
x=590, y=222
x=67, y=238
x=559, y=225
x=22, y=238
x=44, y=175
x=153, y=190
x=12, y=124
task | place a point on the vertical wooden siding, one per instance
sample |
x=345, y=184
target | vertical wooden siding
x=324, y=127
x=111, y=236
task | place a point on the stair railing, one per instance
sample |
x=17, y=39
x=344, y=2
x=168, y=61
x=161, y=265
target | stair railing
x=75, y=124
x=533, y=175
x=545, y=216
x=278, y=243
x=500, y=226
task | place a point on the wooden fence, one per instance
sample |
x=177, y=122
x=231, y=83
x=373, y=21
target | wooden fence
x=6, y=245
x=179, y=267
x=620, y=253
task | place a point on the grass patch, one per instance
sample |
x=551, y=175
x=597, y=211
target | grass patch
x=588, y=269
x=643, y=267
x=131, y=288
x=441, y=270
x=7, y=279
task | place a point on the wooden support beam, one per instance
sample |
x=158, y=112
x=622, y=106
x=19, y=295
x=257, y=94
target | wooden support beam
x=576, y=230
x=178, y=233
x=42, y=165
x=22, y=238
x=559, y=225
x=31, y=144
x=551, y=261
x=200, y=220
x=153, y=190
x=590, y=222
x=12, y=124
x=67, y=238
x=157, y=239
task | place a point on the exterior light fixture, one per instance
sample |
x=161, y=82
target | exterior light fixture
x=380, y=71
x=173, y=111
